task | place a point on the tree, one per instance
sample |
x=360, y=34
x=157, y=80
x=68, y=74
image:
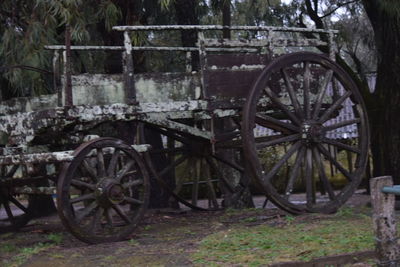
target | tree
x=385, y=110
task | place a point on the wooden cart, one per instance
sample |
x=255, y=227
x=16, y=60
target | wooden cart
x=293, y=123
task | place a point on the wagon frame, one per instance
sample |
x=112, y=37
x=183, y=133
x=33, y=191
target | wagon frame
x=110, y=180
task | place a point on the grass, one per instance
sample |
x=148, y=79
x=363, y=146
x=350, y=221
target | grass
x=25, y=253
x=16, y=254
x=344, y=232
x=56, y=238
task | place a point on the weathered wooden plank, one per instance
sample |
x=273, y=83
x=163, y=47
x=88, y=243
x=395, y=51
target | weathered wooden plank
x=218, y=27
x=276, y=42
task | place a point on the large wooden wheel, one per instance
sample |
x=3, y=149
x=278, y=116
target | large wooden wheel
x=194, y=174
x=103, y=192
x=302, y=107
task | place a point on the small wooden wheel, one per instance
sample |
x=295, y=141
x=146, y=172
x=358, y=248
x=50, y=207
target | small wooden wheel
x=194, y=175
x=103, y=193
x=15, y=211
x=305, y=133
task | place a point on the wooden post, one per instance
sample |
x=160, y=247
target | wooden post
x=384, y=222
x=67, y=62
x=57, y=77
x=129, y=80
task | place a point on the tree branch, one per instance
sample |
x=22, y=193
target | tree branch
x=313, y=14
x=337, y=7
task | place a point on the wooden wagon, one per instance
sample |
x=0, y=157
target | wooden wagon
x=248, y=113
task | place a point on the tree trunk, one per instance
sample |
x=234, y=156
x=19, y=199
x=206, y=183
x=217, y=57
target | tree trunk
x=226, y=18
x=384, y=115
x=186, y=14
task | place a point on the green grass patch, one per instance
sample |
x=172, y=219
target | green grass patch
x=25, y=253
x=15, y=252
x=345, y=232
x=56, y=238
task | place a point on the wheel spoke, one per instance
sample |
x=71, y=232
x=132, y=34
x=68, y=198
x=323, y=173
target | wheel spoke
x=281, y=106
x=84, y=184
x=322, y=175
x=334, y=107
x=96, y=220
x=341, y=124
x=275, y=124
x=308, y=177
x=220, y=175
x=292, y=93
x=133, y=200
x=132, y=183
x=18, y=204
x=229, y=163
x=101, y=170
x=334, y=162
x=195, y=186
x=82, y=198
x=279, y=164
x=9, y=212
x=212, y=195
x=90, y=170
x=294, y=173
x=12, y=171
x=124, y=171
x=341, y=145
x=187, y=169
x=122, y=214
x=109, y=217
x=85, y=212
x=321, y=93
x=284, y=139
x=113, y=163
x=307, y=76
x=173, y=165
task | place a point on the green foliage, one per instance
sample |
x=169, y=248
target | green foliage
x=27, y=26
x=111, y=14
x=165, y=4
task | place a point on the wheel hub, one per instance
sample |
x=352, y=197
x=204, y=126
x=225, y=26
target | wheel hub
x=109, y=192
x=312, y=132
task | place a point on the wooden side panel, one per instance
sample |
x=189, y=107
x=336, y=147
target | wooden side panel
x=232, y=75
x=232, y=60
x=224, y=84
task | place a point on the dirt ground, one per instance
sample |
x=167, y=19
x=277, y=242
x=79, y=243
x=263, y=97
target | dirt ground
x=164, y=238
